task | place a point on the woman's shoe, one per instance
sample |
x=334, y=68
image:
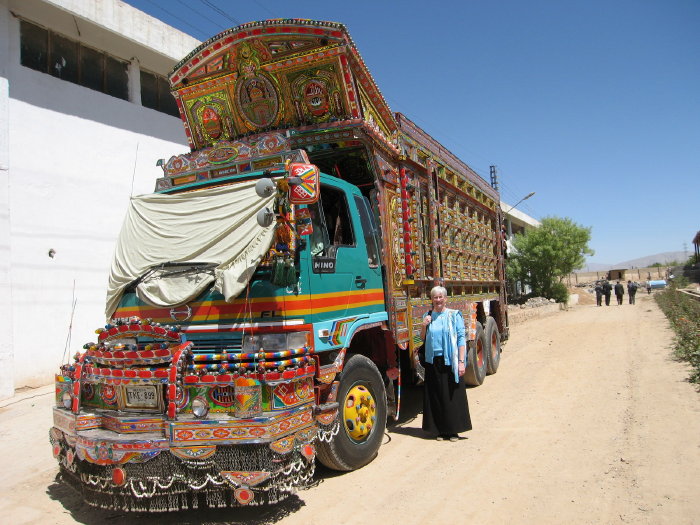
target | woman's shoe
x=454, y=438
x=440, y=437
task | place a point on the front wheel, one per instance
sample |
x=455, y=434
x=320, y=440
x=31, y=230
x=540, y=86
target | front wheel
x=476, y=367
x=362, y=400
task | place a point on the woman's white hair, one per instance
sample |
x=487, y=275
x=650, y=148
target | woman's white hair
x=440, y=289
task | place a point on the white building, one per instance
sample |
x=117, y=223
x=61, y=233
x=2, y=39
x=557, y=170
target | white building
x=516, y=221
x=78, y=79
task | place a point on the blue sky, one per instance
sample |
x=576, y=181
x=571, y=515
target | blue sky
x=594, y=105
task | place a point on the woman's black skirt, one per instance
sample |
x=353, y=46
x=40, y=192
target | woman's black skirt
x=445, y=407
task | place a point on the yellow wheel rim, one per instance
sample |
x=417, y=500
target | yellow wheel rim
x=359, y=413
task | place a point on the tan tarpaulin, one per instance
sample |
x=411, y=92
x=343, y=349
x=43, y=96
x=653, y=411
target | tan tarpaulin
x=216, y=226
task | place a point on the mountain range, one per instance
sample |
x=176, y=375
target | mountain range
x=641, y=262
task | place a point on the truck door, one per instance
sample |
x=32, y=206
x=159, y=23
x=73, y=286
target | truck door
x=345, y=273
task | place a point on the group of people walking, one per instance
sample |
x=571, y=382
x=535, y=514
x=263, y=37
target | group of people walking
x=603, y=289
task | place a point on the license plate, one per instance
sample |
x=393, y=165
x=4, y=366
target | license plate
x=141, y=397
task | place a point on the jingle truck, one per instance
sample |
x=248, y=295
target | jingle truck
x=264, y=303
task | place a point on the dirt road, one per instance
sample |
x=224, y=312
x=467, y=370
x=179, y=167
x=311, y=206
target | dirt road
x=588, y=421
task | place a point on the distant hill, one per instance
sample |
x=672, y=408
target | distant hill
x=662, y=258
x=641, y=262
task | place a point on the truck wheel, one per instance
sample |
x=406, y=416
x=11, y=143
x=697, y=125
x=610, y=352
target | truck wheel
x=493, y=346
x=476, y=368
x=362, y=401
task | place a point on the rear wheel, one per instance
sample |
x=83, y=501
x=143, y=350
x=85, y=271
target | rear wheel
x=493, y=345
x=362, y=416
x=476, y=367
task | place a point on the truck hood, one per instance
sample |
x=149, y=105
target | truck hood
x=217, y=226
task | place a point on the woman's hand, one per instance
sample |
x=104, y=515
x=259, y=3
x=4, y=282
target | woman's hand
x=427, y=320
x=461, y=360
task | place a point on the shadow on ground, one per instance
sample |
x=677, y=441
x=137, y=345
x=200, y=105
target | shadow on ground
x=254, y=515
x=411, y=407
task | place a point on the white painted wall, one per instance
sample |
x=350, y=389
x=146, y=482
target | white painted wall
x=70, y=158
x=6, y=346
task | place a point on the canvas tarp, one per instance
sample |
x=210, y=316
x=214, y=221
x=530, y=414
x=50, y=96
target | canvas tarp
x=217, y=226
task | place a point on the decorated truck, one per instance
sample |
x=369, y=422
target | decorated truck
x=264, y=303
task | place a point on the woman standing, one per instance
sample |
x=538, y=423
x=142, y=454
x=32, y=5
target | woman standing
x=445, y=407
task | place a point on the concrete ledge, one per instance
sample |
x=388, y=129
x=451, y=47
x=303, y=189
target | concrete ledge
x=520, y=315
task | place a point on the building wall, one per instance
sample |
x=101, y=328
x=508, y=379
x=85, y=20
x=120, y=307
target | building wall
x=6, y=345
x=634, y=274
x=70, y=158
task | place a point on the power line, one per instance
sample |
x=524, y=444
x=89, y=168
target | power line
x=216, y=23
x=274, y=15
x=169, y=13
x=221, y=12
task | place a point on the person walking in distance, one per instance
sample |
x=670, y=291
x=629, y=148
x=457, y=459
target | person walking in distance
x=445, y=406
x=631, y=290
x=619, y=292
x=598, y=293
x=607, y=290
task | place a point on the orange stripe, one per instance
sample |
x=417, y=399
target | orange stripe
x=289, y=305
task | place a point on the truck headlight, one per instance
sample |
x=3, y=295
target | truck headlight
x=274, y=342
x=297, y=339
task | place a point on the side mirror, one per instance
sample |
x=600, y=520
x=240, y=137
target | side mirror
x=265, y=187
x=265, y=217
x=304, y=183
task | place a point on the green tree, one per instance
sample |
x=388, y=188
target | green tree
x=543, y=256
x=692, y=260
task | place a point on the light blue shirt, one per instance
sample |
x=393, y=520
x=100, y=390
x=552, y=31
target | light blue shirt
x=443, y=337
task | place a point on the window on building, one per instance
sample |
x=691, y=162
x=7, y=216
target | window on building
x=34, y=47
x=63, y=58
x=59, y=56
x=155, y=94
x=116, y=78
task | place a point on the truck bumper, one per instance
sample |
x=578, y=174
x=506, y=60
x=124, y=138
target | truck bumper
x=147, y=463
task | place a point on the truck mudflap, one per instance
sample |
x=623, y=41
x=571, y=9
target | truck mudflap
x=147, y=472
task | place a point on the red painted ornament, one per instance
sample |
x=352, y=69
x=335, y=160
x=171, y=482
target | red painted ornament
x=309, y=452
x=243, y=495
x=119, y=476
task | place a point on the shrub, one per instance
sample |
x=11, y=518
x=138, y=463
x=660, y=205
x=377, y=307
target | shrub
x=683, y=313
x=559, y=293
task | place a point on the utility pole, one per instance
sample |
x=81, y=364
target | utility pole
x=494, y=177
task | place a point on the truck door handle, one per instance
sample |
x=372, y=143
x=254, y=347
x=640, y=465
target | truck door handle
x=360, y=282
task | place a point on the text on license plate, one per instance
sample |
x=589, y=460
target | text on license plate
x=141, y=396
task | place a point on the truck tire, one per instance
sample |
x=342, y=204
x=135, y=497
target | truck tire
x=362, y=400
x=476, y=367
x=493, y=345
